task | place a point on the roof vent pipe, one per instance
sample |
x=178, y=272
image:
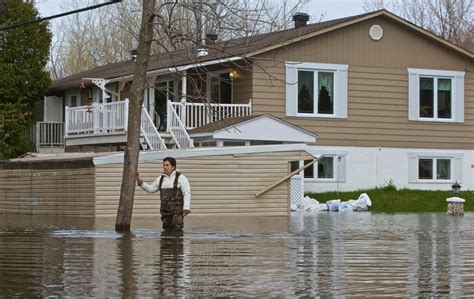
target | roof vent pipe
x=300, y=19
x=201, y=52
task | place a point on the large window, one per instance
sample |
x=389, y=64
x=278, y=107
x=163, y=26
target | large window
x=328, y=168
x=435, y=167
x=436, y=95
x=435, y=98
x=316, y=90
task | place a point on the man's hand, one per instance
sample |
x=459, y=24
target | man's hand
x=139, y=180
x=186, y=212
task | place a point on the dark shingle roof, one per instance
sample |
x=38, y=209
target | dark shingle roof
x=231, y=48
x=222, y=49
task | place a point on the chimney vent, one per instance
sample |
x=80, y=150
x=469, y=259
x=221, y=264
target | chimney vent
x=211, y=38
x=300, y=19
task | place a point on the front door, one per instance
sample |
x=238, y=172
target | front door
x=220, y=87
x=164, y=91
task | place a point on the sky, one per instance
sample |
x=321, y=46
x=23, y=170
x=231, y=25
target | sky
x=332, y=9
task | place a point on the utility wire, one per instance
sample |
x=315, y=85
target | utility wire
x=37, y=20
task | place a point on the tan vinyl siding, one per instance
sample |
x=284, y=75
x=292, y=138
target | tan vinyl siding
x=220, y=185
x=68, y=192
x=377, y=87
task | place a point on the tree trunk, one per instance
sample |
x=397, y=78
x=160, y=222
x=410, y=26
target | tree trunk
x=132, y=150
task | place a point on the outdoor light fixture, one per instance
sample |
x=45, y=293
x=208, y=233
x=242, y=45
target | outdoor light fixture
x=232, y=74
x=456, y=188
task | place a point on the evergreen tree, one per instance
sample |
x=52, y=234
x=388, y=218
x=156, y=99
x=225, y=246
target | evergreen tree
x=24, y=52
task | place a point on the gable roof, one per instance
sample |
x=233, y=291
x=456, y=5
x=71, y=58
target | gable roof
x=220, y=50
x=242, y=48
x=264, y=127
x=340, y=23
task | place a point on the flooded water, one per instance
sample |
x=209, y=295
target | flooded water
x=336, y=254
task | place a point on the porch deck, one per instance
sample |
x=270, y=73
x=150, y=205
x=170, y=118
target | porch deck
x=108, y=124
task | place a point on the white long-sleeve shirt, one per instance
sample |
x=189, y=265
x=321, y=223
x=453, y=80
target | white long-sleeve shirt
x=168, y=182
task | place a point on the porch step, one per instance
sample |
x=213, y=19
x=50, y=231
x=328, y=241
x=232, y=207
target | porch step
x=167, y=139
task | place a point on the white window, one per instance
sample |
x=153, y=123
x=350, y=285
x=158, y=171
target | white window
x=330, y=168
x=435, y=95
x=435, y=167
x=316, y=90
x=73, y=99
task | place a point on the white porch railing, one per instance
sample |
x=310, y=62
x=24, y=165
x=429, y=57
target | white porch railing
x=194, y=115
x=150, y=133
x=49, y=134
x=177, y=129
x=96, y=119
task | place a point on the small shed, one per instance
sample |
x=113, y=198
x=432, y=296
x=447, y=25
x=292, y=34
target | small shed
x=224, y=181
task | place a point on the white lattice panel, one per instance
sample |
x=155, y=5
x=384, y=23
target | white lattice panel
x=297, y=191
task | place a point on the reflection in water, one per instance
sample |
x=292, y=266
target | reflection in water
x=171, y=263
x=126, y=257
x=327, y=254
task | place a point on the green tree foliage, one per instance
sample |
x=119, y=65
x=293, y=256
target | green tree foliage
x=24, y=52
x=15, y=122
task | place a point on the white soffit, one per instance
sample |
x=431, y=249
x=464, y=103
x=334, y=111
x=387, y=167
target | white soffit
x=265, y=128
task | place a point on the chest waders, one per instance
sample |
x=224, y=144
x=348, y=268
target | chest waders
x=171, y=208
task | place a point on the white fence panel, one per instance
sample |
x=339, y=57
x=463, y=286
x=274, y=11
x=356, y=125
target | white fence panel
x=297, y=191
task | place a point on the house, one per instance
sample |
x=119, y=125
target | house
x=389, y=101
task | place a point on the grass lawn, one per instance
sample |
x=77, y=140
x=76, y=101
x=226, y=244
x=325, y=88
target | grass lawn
x=389, y=200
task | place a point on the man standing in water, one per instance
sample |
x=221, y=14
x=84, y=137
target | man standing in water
x=175, y=195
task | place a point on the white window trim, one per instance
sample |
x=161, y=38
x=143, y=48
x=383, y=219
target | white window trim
x=340, y=87
x=214, y=74
x=338, y=166
x=334, y=168
x=457, y=96
x=456, y=167
x=435, y=170
x=71, y=94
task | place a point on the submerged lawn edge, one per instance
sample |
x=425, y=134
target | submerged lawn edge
x=401, y=201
